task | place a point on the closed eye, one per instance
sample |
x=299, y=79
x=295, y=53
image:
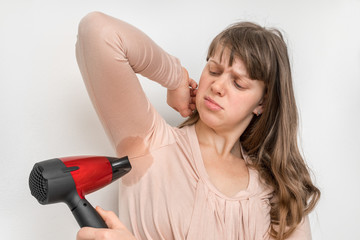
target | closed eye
x=214, y=73
x=239, y=86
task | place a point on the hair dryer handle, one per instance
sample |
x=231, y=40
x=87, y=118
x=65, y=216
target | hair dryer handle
x=87, y=216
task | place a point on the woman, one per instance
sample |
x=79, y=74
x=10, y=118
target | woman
x=233, y=169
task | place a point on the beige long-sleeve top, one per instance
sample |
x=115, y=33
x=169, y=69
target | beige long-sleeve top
x=168, y=194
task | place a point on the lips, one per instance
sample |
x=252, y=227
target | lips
x=212, y=105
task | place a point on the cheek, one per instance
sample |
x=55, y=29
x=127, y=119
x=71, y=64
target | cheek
x=249, y=99
x=201, y=92
x=243, y=105
x=199, y=95
x=201, y=87
x=202, y=80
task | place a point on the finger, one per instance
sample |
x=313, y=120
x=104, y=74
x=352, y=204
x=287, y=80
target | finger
x=86, y=233
x=186, y=112
x=192, y=83
x=110, y=218
x=193, y=92
x=192, y=99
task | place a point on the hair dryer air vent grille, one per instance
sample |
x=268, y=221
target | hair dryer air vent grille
x=38, y=184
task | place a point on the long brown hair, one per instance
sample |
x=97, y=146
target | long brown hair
x=270, y=140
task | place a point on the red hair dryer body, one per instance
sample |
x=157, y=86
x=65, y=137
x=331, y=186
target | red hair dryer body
x=69, y=179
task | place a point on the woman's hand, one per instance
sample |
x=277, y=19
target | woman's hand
x=182, y=99
x=116, y=231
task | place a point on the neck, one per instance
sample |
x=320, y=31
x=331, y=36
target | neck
x=225, y=143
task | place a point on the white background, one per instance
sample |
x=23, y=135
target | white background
x=46, y=113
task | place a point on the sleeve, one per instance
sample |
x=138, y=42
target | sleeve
x=110, y=53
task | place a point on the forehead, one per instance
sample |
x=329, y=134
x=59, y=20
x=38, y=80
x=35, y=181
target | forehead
x=225, y=57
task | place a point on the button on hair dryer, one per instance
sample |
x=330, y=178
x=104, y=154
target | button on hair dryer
x=69, y=179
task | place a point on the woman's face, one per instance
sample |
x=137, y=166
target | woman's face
x=227, y=98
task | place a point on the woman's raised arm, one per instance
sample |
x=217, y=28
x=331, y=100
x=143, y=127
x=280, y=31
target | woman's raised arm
x=109, y=53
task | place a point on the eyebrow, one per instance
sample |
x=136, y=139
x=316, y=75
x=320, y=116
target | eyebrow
x=237, y=74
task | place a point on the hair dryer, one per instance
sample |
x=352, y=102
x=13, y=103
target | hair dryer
x=69, y=179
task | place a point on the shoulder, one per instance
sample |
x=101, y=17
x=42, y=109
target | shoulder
x=185, y=135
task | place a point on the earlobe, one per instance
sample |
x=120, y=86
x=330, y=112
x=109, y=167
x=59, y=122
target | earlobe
x=258, y=110
x=258, y=113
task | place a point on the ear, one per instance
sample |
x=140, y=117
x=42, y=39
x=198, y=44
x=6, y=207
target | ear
x=260, y=108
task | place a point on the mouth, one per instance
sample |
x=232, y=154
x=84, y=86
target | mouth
x=212, y=105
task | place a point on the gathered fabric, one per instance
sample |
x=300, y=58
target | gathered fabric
x=175, y=199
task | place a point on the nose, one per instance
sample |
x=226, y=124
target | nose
x=218, y=86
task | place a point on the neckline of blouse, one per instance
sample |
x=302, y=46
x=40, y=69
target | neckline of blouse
x=199, y=163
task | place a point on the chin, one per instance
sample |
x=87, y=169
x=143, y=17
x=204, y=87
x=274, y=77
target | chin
x=210, y=120
x=218, y=123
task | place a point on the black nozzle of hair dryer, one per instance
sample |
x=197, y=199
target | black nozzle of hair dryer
x=70, y=179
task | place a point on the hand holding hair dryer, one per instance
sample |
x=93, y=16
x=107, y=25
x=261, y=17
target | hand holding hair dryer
x=69, y=179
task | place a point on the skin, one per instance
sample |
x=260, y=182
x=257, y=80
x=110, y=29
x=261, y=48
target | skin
x=226, y=100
